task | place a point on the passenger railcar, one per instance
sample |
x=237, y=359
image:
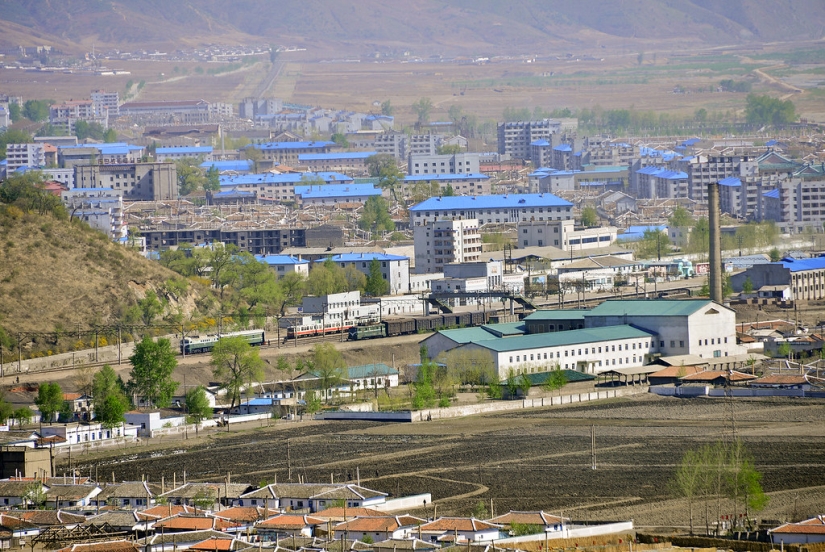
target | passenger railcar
x=204, y=344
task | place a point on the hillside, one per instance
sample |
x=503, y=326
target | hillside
x=55, y=275
x=425, y=26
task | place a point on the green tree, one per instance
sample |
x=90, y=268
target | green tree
x=36, y=110
x=555, y=380
x=480, y=511
x=387, y=108
x=764, y=110
x=292, y=288
x=340, y=140
x=23, y=415
x=589, y=217
x=326, y=277
x=524, y=384
x=455, y=115
x=699, y=241
x=15, y=112
x=654, y=244
x=747, y=286
x=151, y=376
x=34, y=495
x=313, y=402
x=422, y=109
x=26, y=191
x=83, y=130
x=213, y=180
x=687, y=482
x=109, y=397
x=449, y=149
x=376, y=284
x=384, y=167
x=253, y=154
x=49, y=401
x=775, y=255
x=190, y=176
x=197, y=404
x=784, y=350
x=355, y=278
x=680, y=218
x=235, y=364
x=110, y=136
x=150, y=307
x=424, y=392
x=375, y=216
x=6, y=408
x=328, y=366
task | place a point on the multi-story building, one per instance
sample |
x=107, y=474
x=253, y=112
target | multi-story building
x=712, y=167
x=102, y=208
x=107, y=154
x=459, y=163
x=285, y=264
x=563, y=235
x=65, y=115
x=261, y=241
x=136, y=181
x=490, y=209
x=279, y=187
x=461, y=184
x=332, y=194
x=391, y=143
x=423, y=144
x=806, y=277
x=395, y=269
x=656, y=181
x=441, y=242
x=515, y=137
x=187, y=112
x=106, y=103
x=351, y=163
x=24, y=155
x=286, y=153
x=250, y=108
x=175, y=153
x=801, y=201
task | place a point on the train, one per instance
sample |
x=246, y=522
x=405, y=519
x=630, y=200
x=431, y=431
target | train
x=312, y=326
x=391, y=327
x=204, y=344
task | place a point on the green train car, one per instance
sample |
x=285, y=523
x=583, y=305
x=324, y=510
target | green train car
x=367, y=332
x=204, y=344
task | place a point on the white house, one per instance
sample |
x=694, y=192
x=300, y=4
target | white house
x=147, y=422
x=284, y=264
x=804, y=532
x=378, y=528
x=465, y=529
x=89, y=433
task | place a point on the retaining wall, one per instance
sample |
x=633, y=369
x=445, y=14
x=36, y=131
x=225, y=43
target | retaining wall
x=708, y=391
x=575, y=532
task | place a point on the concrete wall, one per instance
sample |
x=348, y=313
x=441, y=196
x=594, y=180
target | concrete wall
x=707, y=391
x=405, y=503
x=404, y=416
x=575, y=532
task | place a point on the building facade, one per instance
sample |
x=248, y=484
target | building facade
x=441, y=242
x=136, y=181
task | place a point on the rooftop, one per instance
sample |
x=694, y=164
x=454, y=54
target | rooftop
x=335, y=155
x=445, y=176
x=506, y=201
x=283, y=146
x=557, y=339
x=657, y=307
x=337, y=190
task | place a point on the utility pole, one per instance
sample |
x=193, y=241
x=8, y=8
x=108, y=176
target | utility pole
x=593, y=447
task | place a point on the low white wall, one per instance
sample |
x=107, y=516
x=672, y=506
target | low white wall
x=403, y=416
x=575, y=532
x=707, y=391
x=404, y=503
x=499, y=406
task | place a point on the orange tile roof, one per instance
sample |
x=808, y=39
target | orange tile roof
x=214, y=544
x=291, y=521
x=710, y=375
x=527, y=518
x=813, y=526
x=164, y=511
x=782, y=379
x=71, y=396
x=245, y=513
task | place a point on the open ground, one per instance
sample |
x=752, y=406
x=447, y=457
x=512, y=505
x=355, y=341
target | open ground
x=525, y=460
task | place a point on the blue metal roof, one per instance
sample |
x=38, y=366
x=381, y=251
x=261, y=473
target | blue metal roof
x=540, y=143
x=691, y=142
x=798, y=265
x=186, y=149
x=730, y=181
x=234, y=193
x=445, y=176
x=672, y=175
x=563, y=147
x=772, y=193
x=243, y=165
x=333, y=156
x=280, y=260
x=353, y=257
x=635, y=233
x=292, y=145
x=507, y=201
x=337, y=190
x=650, y=169
x=288, y=178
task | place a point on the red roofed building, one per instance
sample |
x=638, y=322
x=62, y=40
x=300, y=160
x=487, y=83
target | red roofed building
x=805, y=532
x=110, y=546
x=782, y=381
x=287, y=525
x=378, y=528
x=219, y=544
x=185, y=522
x=459, y=529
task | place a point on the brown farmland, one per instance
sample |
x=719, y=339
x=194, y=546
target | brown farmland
x=522, y=460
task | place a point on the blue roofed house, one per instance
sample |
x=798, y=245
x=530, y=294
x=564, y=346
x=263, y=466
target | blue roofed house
x=241, y=166
x=278, y=187
x=806, y=277
x=181, y=152
x=331, y=194
x=395, y=269
x=499, y=208
x=287, y=152
x=352, y=163
x=284, y=264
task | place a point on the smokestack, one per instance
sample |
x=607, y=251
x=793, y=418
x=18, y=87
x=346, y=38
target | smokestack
x=715, y=282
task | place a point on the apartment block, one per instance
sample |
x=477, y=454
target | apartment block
x=459, y=163
x=24, y=155
x=515, y=137
x=136, y=181
x=441, y=242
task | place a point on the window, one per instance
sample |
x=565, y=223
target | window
x=681, y=344
x=672, y=343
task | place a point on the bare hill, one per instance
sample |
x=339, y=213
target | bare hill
x=424, y=26
x=55, y=274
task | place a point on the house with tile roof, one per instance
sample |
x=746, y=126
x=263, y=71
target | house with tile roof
x=51, y=518
x=162, y=542
x=313, y=497
x=804, y=532
x=219, y=544
x=339, y=513
x=396, y=545
x=458, y=529
x=288, y=525
x=220, y=493
x=193, y=522
x=377, y=528
x=718, y=378
x=128, y=494
x=107, y=546
x=71, y=496
x=548, y=523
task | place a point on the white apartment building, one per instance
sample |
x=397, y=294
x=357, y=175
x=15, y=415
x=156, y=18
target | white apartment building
x=515, y=137
x=24, y=155
x=101, y=208
x=106, y=102
x=459, y=163
x=710, y=168
x=395, y=269
x=490, y=209
x=65, y=115
x=461, y=184
x=441, y=242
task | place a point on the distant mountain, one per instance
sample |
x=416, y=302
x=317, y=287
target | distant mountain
x=422, y=26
